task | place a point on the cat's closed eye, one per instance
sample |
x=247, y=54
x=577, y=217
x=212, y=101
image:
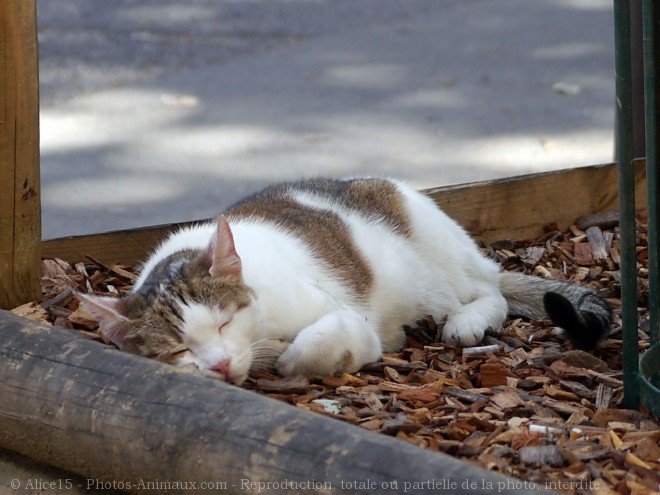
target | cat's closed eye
x=179, y=353
x=223, y=325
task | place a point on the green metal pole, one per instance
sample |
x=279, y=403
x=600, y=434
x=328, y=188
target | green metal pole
x=624, y=155
x=637, y=78
x=652, y=111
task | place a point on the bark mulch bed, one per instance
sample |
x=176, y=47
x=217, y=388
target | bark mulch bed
x=525, y=403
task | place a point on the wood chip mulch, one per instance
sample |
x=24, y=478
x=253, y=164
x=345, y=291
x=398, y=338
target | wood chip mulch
x=524, y=404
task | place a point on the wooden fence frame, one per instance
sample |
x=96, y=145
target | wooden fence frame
x=120, y=419
x=20, y=206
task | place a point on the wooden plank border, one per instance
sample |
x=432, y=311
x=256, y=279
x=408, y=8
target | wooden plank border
x=520, y=207
x=513, y=208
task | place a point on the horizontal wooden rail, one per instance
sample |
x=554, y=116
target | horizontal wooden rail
x=513, y=208
x=520, y=207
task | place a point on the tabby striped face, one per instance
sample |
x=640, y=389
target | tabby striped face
x=193, y=308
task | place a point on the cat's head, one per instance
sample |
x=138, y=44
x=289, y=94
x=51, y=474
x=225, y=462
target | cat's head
x=193, y=308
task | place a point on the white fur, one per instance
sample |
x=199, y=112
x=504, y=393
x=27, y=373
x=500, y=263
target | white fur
x=438, y=271
x=207, y=336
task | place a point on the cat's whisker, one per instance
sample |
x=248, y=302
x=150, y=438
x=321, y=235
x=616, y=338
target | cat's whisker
x=267, y=340
x=264, y=353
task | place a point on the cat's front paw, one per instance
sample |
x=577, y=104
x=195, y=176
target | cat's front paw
x=464, y=329
x=298, y=360
x=266, y=352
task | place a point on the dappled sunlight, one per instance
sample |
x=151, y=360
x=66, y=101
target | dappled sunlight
x=586, y=4
x=372, y=76
x=567, y=50
x=119, y=117
x=369, y=144
x=221, y=142
x=180, y=14
x=66, y=132
x=118, y=193
x=442, y=96
x=524, y=153
x=161, y=160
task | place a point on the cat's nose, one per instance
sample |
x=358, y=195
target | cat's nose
x=222, y=367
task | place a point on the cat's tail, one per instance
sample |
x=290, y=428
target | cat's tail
x=582, y=313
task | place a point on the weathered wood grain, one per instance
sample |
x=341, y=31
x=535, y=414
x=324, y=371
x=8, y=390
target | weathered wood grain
x=128, y=246
x=519, y=207
x=20, y=214
x=110, y=416
x=516, y=208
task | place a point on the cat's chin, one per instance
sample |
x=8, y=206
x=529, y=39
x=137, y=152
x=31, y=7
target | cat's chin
x=234, y=379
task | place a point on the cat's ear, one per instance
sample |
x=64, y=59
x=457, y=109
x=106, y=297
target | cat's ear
x=108, y=312
x=222, y=252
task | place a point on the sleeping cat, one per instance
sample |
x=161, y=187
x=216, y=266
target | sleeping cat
x=318, y=276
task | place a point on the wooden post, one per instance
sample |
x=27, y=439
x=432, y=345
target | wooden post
x=20, y=206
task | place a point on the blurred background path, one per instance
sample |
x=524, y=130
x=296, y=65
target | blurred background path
x=158, y=111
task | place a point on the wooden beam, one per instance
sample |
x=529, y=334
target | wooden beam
x=520, y=207
x=513, y=208
x=20, y=209
x=123, y=421
x=127, y=246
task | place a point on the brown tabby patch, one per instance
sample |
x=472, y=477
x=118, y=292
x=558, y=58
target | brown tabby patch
x=377, y=198
x=324, y=231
